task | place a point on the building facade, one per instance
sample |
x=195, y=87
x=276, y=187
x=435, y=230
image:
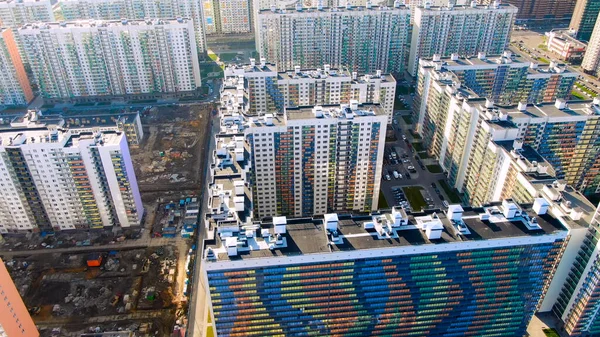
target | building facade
x=565, y=46
x=15, y=89
x=91, y=60
x=267, y=91
x=541, y=10
x=506, y=79
x=591, y=60
x=389, y=274
x=464, y=30
x=362, y=39
x=16, y=13
x=584, y=18
x=58, y=180
x=137, y=10
x=317, y=159
x=15, y=320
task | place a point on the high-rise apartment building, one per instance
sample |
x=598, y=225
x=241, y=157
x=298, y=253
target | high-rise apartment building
x=16, y=13
x=584, y=18
x=100, y=59
x=59, y=180
x=577, y=303
x=506, y=79
x=534, y=10
x=229, y=16
x=591, y=60
x=464, y=30
x=474, y=139
x=137, y=10
x=362, y=39
x=432, y=274
x=314, y=160
x=15, y=319
x=15, y=89
x=267, y=91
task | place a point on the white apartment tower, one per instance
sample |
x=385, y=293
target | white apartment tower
x=316, y=160
x=56, y=180
x=465, y=30
x=137, y=10
x=15, y=89
x=87, y=60
x=591, y=60
x=363, y=39
x=269, y=91
x=16, y=13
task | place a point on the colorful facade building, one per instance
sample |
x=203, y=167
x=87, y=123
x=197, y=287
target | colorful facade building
x=433, y=274
x=15, y=89
x=462, y=30
x=98, y=60
x=97, y=188
x=361, y=39
x=73, y=10
x=267, y=91
x=15, y=320
x=584, y=18
x=591, y=61
x=316, y=160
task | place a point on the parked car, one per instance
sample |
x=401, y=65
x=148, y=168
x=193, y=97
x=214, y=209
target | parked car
x=445, y=203
x=387, y=177
x=396, y=175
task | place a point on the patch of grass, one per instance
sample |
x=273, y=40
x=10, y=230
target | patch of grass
x=213, y=56
x=382, y=204
x=407, y=119
x=550, y=333
x=418, y=146
x=577, y=95
x=543, y=60
x=434, y=168
x=449, y=191
x=585, y=89
x=424, y=155
x=227, y=56
x=414, y=197
x=209, y=331
x=206, y=69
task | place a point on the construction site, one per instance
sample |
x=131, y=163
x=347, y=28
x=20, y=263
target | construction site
x=140, y=290
x=170, y=156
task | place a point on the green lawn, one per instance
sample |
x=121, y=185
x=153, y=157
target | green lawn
x=407, y=119
x=418, y=146
x=206, y=69
x=213, y=56
x=577, y=95
x=585, y=89
x=415, y=198
x=227, y=56
x=550, y=333
x=424, y=155
x=415, y=135
x=543, y=60
x=434, y=168
x=449, y=192
x=398, y=105
x=382, y=202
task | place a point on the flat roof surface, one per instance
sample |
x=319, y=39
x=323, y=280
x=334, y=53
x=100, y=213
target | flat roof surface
x=308, y=235
x=544, y=110
x=341, y=9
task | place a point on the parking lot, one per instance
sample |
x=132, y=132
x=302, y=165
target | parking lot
x=406, y=181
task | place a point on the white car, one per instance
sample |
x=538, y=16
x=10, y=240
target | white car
x=387, y=177
x=396, y=174
x=403, y=137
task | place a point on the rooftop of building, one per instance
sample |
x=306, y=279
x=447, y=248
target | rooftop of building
x=40, y=135
x=565, y=35
x=398, y=6
x=560, y=109
x=5, y=2
x=101, y=23
x=339, y=112
x=511, y=57
x=397, y=228
x=495, y=5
